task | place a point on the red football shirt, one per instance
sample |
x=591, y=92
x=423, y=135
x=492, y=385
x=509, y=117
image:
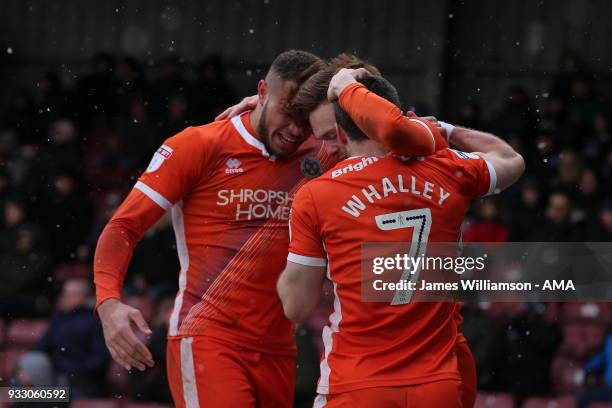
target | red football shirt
x=374, y=344
x=230, y=202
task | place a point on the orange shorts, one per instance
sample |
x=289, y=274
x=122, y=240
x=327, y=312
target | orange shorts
x=467, y=370
x=438, y=394
x=205, y=372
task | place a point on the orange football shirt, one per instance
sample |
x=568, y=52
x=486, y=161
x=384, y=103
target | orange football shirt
x=230, y=202
x=377, y=344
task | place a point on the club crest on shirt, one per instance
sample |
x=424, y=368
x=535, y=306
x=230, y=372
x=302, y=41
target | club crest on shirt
x=311, y=167
x=159, y=157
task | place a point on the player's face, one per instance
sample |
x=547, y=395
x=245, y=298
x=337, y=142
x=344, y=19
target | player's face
x=278, y=132
x=323, y=124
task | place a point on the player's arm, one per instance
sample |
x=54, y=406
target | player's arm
x=299, y=286
x=246, y=104
x=507, y=163
x=113, y=253
x=380, y=119
x=171, y=174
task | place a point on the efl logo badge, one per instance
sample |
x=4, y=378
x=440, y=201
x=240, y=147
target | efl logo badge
x=311, y=167
x=163, y=153
x=233, y=166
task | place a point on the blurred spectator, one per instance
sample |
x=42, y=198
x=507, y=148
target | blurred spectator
x=570, y=170
x=478, y=329
x=211, y=93
x=600, y=363
x=603, y=231
x=66, y=213
x=24, y=262
x=516, y=122
x=588, y=202
x=169, y=83
x=75, y=344
x=95, y=90
x=488, y=227
x=558, y=225
x=528, y=344
x=527, y=213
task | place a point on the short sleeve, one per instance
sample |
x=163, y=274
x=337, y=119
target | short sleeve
x=474, y=173
x=306, y=245
x=174, y=169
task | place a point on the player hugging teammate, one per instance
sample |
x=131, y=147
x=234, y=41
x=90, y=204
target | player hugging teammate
x=229, y=342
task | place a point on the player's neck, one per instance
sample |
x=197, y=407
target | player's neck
x=254, y=118
x=365, y=148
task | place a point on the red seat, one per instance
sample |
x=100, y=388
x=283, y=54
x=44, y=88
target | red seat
x=582, y=339
x=575, y=312
x=567, y=375
x=94, y=403
x=561, y=402
x=494, y=400
x=8, y=360
x=25, y=333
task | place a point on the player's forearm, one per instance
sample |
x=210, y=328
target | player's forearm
x=117, y=242
x=384, y=122
x=299, y=289
x=509, y=165
x=470, y=140
x=111, y=260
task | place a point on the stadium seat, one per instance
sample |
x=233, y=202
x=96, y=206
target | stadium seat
x=94, y=403
x=494, y=400
x=25, y=333
x=567, y=375
x=561, y=402
x=145, y=405
x=582, y=339
x=576, y=312
x=8, y=359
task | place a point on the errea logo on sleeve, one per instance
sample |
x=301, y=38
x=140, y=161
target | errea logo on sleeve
x=159, y=157
x=233, y=166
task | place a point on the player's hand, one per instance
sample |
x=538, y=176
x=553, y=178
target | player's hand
x=246, y=104
x=118, y=322
x=431, y=119
x=342, y=79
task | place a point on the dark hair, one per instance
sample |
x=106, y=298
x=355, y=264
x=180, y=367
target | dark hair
x=314, y=90
x=296, y=66
x=376, y=84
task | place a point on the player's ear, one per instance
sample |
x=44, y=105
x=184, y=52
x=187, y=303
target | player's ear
x=262, y=91
x=341, y=135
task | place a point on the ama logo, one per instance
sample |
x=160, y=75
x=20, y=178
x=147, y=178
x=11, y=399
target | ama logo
x=233, y=166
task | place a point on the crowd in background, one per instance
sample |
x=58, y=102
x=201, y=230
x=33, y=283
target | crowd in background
x=68, y=155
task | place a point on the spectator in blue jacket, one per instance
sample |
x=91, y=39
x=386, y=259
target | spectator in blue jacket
x=75, y=344
x=601, y=362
